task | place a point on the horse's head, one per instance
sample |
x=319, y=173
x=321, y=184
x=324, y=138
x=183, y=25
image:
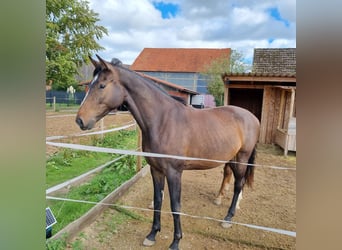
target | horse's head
x=105, y=94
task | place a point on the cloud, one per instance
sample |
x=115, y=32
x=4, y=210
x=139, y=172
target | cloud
x=242, y=25
x=247, y=17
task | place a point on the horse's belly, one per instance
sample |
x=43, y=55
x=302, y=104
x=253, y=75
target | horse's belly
x=201, y=165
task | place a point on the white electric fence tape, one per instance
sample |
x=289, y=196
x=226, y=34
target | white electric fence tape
x=269, y=229
x=147, y=154
x=56, y=137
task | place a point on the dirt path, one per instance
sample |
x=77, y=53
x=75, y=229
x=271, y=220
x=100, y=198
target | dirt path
x=271, y=203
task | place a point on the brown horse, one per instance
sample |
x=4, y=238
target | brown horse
x=169, y=127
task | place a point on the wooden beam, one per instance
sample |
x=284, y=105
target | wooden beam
x=226, y=90
x=261, y=78
x=264, y=115
x=281, y=108
x=292, y=102
x=245, y=86
x=139, y=145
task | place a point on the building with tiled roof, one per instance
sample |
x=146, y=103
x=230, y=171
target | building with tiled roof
x=177, y=59
x=176, y=91
x=181, y=66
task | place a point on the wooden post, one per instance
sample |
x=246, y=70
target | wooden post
x=292, y=103
x=139, y=145
x=281, y=110
x=226, y=95
x=54, y=104
x=101, y=126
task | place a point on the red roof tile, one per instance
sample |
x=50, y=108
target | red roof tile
x=176, y=59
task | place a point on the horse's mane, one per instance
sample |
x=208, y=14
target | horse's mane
x=117, y=63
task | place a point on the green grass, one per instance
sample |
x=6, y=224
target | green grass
x=67, y=163
x=109, y=227
x=61, y=106
x=95, y=190
x=58, y=244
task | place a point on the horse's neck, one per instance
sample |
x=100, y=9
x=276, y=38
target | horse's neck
x=148, y=105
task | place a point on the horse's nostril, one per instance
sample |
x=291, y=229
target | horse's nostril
x=79, y=122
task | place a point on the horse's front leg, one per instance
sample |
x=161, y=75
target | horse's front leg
x=174, y=183
x=158, y=185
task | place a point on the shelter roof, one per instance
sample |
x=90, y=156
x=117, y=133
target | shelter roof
x=260, y=77
x=275, y=61
x=269, y=65
x=177, y=59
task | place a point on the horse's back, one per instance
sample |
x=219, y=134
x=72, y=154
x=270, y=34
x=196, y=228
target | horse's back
x=231, y=113
x=248, y=123
x=240, y=120
x=224, y=127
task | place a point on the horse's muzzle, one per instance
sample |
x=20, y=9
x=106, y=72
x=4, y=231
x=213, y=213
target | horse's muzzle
x=80, y=123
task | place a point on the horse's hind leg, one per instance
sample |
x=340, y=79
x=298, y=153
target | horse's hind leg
x=227, y=176
x=158, y=185
x=242, y=173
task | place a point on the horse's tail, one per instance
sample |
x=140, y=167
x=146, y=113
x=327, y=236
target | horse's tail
x=249, y=176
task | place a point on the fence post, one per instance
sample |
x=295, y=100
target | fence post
x=139, y=158
x=102, y=126
x=54, y=104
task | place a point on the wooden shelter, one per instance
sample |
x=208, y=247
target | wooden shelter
x=269, y=91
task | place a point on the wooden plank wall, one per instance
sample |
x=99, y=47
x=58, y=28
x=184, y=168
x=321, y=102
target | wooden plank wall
x=288, y=109
x=270, y=114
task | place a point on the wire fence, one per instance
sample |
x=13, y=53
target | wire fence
x=61, y=100
x=66, y=104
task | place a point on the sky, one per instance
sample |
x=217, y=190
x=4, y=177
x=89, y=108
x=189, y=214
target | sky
x=240, y=25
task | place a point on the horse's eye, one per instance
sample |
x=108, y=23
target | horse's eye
x=102, y=86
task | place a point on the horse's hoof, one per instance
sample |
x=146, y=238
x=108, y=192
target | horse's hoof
x=226, y=224
x=175, y=248
x=218, y=201
x=148, y=243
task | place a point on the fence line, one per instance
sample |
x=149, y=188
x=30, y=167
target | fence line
x=148, y=154
x=269, y=229
x=57, y=137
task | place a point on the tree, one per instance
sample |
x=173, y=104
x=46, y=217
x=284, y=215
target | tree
x=219, y=66
x=71, y=34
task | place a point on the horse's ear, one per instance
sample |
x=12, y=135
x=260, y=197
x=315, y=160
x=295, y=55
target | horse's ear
x=95, y=63
x=103, y=62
